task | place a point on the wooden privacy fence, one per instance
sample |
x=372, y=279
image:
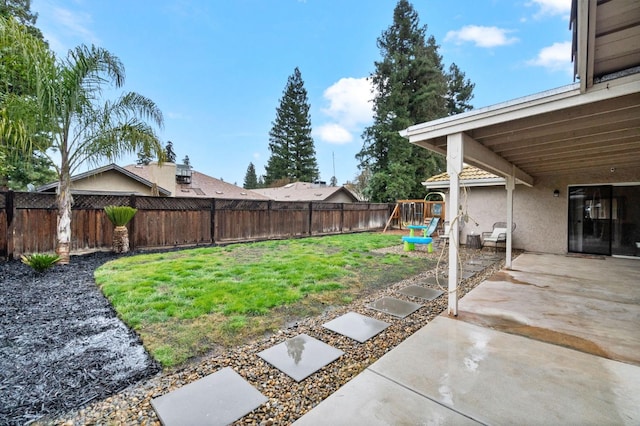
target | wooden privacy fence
x=28, y=221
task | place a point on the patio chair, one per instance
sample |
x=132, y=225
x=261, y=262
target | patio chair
x=497, y=237
x=443, y=238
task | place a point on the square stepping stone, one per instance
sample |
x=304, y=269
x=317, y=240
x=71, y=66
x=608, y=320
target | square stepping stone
x=442, y=281
x=479, y=262
x=492, y=257
x=218, y=399
x=355, y=326
x=473, y=268
x=421, y=292
x=300, y=356
x=465, y=274
x=396, y=307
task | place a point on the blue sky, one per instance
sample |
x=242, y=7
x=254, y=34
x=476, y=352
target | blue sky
x=217, y=69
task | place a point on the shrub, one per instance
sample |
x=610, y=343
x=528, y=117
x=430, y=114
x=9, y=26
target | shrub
x=120, y=215
x=40, y=262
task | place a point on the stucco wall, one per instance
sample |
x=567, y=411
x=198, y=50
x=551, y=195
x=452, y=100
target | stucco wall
x=541, y=219
x=339, y=197
x=111, y=181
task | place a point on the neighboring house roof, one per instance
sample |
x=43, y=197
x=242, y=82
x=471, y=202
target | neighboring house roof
x=95, y=172
x=202, y=185
x=470, y=176
x=305, y=191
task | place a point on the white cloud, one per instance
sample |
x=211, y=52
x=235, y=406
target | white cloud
x=350, y=108
x=481, y=36
x=177, y=116
x=64, y=29
x=334, y=133
x=551, y=7
x=75, y=23
x=556, y=57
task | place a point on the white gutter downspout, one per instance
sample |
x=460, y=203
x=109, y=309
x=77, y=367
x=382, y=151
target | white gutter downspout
x=510, y=185
x=455, y=155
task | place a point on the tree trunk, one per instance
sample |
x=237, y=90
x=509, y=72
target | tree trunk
x=120, y=239
x=63, y=236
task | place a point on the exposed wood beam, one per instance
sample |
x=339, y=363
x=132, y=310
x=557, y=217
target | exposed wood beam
x=626, y=106
x=581, y=156
x=588, y=148
x=587, y=164
x=510, y=111
x=489, y=160
x=570, y=138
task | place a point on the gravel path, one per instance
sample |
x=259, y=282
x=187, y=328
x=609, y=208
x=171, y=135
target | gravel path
x=116, y=398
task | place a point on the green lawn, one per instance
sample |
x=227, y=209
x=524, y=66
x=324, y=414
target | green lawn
x=186, y=302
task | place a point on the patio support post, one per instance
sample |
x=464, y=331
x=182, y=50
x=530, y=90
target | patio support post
x=455, y=156
x=511, y=185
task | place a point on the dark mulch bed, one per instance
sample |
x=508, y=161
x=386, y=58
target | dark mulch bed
x=61, y=344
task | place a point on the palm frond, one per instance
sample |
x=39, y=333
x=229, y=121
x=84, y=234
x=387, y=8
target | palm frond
x=120, y=215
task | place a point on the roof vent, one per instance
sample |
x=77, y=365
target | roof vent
x=219, y=192
x=289, y=185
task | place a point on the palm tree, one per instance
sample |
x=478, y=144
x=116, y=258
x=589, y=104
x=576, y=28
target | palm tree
x=82, y=127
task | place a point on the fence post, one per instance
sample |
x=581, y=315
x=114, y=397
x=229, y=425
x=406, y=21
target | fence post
x=213, y=221
x=10, y=212
x=341, y=218
x=310, y=216
x=269, y=203
x=132, y=224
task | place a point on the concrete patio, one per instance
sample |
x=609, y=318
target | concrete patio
x=554, y=340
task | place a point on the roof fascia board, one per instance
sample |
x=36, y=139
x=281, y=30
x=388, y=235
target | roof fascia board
x=590, y=48
x=565, y=97
x=583, y=37
x=104, y=169
x=466, y=182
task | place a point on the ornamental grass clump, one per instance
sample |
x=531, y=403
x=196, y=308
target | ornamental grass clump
x=40, y=262
x=120, y=216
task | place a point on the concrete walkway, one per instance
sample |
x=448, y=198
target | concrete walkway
x=555, y=340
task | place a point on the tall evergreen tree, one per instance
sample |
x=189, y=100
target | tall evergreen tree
x=411, y=87
x=250, y=178
x=293, y=155
x=459, y=91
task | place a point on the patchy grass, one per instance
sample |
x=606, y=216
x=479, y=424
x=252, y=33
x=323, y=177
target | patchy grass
x=184, y=303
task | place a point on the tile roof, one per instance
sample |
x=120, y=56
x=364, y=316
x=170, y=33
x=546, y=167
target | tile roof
x=468, y=173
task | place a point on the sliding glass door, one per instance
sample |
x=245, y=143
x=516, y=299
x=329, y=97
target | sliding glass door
x=625, y=224
x=604, y=219
x=589, y=219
